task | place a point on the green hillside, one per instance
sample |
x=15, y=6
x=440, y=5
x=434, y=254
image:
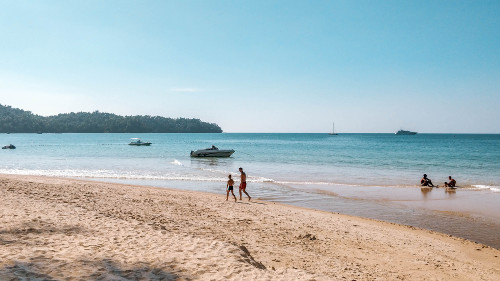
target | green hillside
x=14, y=120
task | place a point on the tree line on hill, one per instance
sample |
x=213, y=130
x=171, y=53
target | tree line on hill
x=15, y=120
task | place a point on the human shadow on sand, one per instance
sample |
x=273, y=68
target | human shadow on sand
x=15, y=234
x=105, y=269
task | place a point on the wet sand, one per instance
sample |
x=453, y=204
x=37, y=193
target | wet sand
x=63, y=229
x=466, y=213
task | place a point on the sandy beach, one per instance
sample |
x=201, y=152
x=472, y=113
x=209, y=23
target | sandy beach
x=65, y=229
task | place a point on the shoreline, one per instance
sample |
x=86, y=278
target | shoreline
x=459, y=213
x=60, y=227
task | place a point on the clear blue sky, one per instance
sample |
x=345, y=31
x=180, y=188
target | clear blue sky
x=259, y=66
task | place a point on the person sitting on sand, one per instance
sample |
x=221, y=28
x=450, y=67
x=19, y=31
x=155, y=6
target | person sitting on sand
x=243, y=184
x=229, y=187
x=452, y=183
x=425, y=181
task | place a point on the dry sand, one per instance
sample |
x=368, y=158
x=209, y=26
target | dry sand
x=64, y=229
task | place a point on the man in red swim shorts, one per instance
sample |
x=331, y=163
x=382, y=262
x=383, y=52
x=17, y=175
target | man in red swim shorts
x=243, y=184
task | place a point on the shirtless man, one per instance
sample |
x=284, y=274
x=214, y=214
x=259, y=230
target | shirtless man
x=452, y=183
x=425, y=181
x=243, y=184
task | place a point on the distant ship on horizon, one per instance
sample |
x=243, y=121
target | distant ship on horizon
x=404, y=132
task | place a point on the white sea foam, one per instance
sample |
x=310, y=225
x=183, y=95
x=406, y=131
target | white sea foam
x=215, y=170
x=492, y=188
x=213, y=175
x=314, y=183
x=110, y=175
x=176, y=162
x=259, y=179
x=481, y=186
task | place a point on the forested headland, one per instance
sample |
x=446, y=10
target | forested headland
x=15, y=120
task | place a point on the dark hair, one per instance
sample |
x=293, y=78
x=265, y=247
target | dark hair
x=229, y=175
x=425, y=175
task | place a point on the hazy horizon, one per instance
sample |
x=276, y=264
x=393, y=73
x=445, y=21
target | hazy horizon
x=320, y=132
x=259, y=66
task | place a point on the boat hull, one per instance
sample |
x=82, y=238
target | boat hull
x=212, y=153
x=402, y=132
x=140, y=144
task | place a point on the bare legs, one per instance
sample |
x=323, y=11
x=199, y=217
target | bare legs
x=227, y=195
x=245, y=193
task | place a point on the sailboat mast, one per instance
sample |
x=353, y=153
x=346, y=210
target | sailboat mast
x=333, y=129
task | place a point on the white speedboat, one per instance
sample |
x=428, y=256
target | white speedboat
x=212, y=152
x=403, y=132
x=138, y=142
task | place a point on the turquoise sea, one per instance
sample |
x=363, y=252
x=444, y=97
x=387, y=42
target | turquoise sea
x=369, y=175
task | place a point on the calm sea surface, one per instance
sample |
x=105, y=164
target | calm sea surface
x=369, y=175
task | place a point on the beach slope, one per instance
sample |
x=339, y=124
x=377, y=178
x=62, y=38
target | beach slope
x=65, y=229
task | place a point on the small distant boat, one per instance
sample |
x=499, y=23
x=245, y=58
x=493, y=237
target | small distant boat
x=138, y=142
x=403, y=132
x=212, y=152
x=333, y=131
x=10, y=146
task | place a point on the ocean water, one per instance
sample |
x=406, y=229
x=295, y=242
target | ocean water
x=369, y=175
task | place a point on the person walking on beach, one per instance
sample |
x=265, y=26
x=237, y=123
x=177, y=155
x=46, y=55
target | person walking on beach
x=243, y=184
x=452, y=183
x=425, y=181
x=229, y=187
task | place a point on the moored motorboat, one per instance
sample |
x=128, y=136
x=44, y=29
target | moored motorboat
x=212, y=152
x=404, y=132
x=10, y=146
x=138, y=142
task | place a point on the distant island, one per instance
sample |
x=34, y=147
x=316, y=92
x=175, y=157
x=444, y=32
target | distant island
x=15, y=120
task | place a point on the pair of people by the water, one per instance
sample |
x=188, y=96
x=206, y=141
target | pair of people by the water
x=242, y=188
x=425, y=181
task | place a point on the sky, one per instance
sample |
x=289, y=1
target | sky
x=259, y=66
